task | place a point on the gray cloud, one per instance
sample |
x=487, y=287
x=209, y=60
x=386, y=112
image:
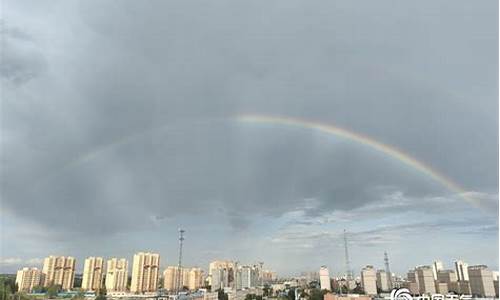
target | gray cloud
x=122, y=119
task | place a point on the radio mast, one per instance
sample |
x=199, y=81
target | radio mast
x=179, y=265
x=347, y=261
x=388, y=270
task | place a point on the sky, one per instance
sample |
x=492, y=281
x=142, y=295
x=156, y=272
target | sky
x=121, y=121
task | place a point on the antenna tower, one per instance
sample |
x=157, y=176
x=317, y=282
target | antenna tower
x=347, y=261
x=388, y=270
x=179, y=265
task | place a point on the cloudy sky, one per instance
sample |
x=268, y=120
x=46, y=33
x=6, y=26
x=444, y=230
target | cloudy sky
x=119, y=123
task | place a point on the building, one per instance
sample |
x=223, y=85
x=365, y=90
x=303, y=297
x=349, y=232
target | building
x=27, y=278
x=436, y=267
x=425, y=280
x=448, y=277
x=331, y=296
x=369, y=280
x=496, y=276
x=145, y=272
x=383, y=281
x=461, y=269
x=174, y=278
x=93, y=269
x=59, y=270
x=324, y=279
x=442, y=288
x=268, y=276
x=248, y=277
x=221, y=274
x=190, y=278
x=481, y=281
x=195, y=279
x=116, y=275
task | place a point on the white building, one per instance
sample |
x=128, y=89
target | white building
x=324, y=279
x=461, y=270
x=436, y=267
x=369, y=280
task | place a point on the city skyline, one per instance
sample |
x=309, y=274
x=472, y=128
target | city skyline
x=457, y=266
x=263, y=129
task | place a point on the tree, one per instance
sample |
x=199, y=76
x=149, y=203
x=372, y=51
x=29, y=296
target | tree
x=5, y=291
x=317, y=294
x=52, y=291
x=39, y=289
x=101, y=294
x=220, y=295
x=80, y=295
x=252, y=297
x=267, y=291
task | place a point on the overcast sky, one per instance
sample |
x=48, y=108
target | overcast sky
x=118, y=125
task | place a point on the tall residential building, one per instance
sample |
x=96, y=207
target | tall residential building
x=59, y=270
x=145, y=272
x=369, y=280
x=324, y=279
x=425, y=279
x=93, y=269
x=247, y=277
x=116, y=275
x=171, y=278
x=481, y=281
x=221, y=274
x=448, y=277
x=413, y=282
x=383, y=281
x=190, y=278
x=436, y=267
x=195, y=279
x=461, y=269
x=27, y=278
x=268, y=276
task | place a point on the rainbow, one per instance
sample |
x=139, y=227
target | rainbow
x=364, y=140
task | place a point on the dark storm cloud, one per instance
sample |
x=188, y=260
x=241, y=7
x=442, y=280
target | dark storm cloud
x=126, y=115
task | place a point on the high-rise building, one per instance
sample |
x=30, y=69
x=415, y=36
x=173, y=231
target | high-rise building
x=221, y=274
x=413, y=282
x=461, y=269
x=448, y=277
x=27, y=278
x=268, y=276
x=59, y=270
x=369, y=280
x=425, y=280
x=190, y=278
x=383, y=281
x=145, y=272
x=247, y=277
x=481, y=281
x=171, y=278
x=93, y=269
x=436, y=267
x=496, y=276
x=195, y=279
x=324, y=279
x=116, y=275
